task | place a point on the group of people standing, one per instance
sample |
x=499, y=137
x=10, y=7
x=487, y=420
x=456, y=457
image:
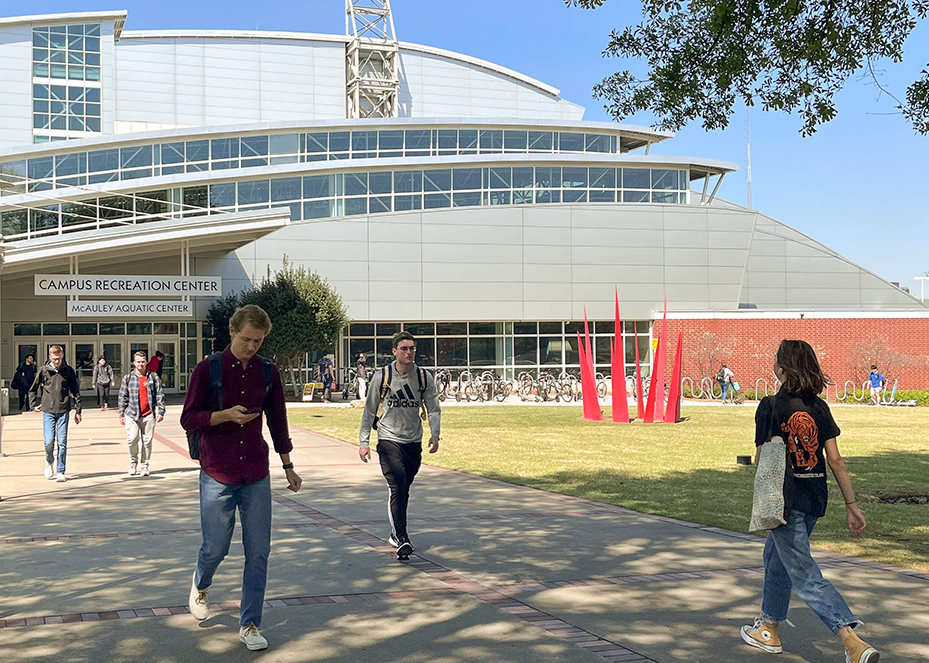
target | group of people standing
x=55, y=392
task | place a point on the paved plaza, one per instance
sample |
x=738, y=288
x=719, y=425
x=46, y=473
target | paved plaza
x=98, y=569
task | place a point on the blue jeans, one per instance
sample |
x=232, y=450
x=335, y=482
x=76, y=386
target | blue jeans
x=218, y=503
x=55, y=426
x=725, y=387
x=788, y=563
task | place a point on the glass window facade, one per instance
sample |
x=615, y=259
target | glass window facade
x=66, y=81
x=507, y=348
x=333, y=195
x=60, y=108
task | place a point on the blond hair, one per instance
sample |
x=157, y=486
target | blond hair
x=253, y=315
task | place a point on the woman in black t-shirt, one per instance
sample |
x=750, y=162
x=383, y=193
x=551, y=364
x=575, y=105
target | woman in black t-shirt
x=799, y=416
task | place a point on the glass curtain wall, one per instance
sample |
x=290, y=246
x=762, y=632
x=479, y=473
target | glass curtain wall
x=507, y=348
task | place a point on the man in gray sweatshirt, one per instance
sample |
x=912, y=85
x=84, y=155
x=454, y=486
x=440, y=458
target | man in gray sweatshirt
x=407, y=394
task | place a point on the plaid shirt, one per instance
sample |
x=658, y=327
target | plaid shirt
x=129, y=395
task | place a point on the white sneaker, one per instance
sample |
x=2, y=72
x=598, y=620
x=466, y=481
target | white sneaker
x=133, y=470
x=252, y=638
x=60, y=478
x=145, y=471
x=198, y=602
x=49, y=471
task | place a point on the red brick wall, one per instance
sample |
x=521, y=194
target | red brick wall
x=846, y=346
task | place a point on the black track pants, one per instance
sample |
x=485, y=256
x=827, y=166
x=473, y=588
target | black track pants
x=399, y=463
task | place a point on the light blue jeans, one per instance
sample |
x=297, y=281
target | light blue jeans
x=55, y=426
x=725, y=387
x=218, y=504
x=789, y=564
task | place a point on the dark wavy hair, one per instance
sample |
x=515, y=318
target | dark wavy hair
x=802, y=373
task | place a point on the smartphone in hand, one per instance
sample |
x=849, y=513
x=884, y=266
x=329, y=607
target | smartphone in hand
x=253, y=410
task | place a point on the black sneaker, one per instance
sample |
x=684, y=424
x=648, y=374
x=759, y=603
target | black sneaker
x=404, y=550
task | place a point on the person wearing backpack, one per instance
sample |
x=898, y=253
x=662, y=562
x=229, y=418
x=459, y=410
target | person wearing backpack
x=102, y=381
x=234, y=466
x=724, y=378
x=406, y=394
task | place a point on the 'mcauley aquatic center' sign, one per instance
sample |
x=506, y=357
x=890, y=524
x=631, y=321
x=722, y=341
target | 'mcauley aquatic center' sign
x=120, y=309
x=138, y=286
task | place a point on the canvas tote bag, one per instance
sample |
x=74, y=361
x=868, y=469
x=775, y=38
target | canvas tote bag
x=768, y=504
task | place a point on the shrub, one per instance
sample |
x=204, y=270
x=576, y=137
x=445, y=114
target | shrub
x=921, y=396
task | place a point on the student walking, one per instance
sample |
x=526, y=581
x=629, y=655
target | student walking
x=22, y=381
x=799, y=416
x=141, y=405
x=725, y=377
x=326, y=376
x=54, y=393
x=227, y=394
x=876, y=378
x=404, y=390
x=361, y=375
x=103, y=380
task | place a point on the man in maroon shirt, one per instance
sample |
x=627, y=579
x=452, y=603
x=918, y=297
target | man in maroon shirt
x=234, y=471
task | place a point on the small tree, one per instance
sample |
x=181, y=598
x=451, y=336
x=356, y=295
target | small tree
x=307, y=314
x=708, y=350
x=875, y=349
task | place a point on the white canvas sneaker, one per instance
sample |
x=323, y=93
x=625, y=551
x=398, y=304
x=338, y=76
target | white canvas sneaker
x=49, y=471
x=252, y=638
x=198, y=603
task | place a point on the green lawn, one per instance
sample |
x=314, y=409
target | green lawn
x=687, y=470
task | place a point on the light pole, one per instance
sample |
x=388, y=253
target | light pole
x=922, y=285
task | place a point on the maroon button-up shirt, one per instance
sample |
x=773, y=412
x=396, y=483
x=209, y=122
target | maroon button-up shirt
x=234, y=453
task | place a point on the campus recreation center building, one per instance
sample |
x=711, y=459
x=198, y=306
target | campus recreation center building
x=143, y=174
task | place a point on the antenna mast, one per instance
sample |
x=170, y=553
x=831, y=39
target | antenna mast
x=372, y=82
x=748, y=156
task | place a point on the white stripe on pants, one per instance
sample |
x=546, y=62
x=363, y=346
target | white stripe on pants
x=144, y=431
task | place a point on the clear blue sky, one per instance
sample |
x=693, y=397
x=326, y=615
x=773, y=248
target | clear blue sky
x=860, y=185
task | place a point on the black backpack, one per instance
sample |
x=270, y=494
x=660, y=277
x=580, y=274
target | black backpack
x=216, y=391
x=721, y=375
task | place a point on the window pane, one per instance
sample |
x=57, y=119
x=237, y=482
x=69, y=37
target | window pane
x=550, y=350
x=525, y=328
x=418, y=141
x=390, y=140
x=135, y=157
x=491, y=140
x=406, y=203
x=501, y=178
x=448, y=140
x=254, y=146
x=71, y=164
x=355, y=206
x=408, y=181
x=222, y=195
x=361, y=329
x=467, y=141
x=419, y=328
x=569, y=142
x=514, y=140
x=468, y=199
x=602, y=178
x=356, y=184
x=251, y=193
x=597, y=143
x=380, y=182
x=286, y=188
x=636, y=178
x=525, y=351
x=317, y=143
x=283, y=144
x=139, y=328
x=467, y=178
x=486, y=351
x=437, y=180
x=451, y=328
x=318, y=209
x=574, y=177
x=451, y=352
x=540, y=141
x=436, y=200
x=664, y=179
x=364, y=141
x=319, y=186
x=224, y=148
x=635, y=196
x=198, y=150
x=548, y=177
x=522, y=178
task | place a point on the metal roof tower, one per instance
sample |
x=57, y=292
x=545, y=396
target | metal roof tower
x=372, y=82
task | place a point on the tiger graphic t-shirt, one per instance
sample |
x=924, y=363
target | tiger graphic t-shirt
x=805, y=423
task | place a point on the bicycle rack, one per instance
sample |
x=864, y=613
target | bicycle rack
x=693, y=390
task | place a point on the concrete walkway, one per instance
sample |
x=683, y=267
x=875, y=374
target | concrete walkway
x=98, y=569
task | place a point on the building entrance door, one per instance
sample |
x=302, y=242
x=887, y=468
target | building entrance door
x=83, y=359
x=168, y=364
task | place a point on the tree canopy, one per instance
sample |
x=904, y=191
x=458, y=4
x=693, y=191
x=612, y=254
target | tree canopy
x=785, y=55
x=307, y=314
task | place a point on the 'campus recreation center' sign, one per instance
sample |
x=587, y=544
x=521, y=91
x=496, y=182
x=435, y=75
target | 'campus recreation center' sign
x=112, y=308
x=138, y=286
